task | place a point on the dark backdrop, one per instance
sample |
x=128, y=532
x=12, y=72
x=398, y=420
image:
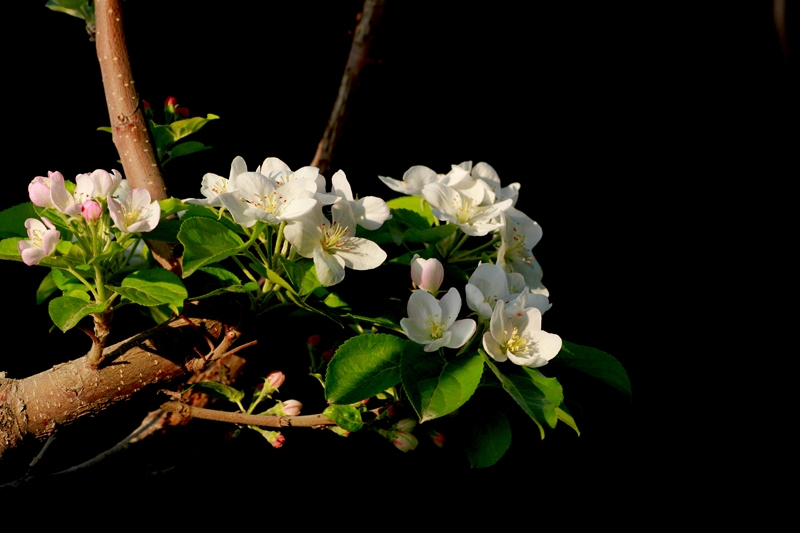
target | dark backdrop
x=625, y=127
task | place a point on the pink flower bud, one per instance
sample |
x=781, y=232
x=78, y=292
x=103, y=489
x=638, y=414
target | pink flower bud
x=427, y=274
x=438, y=439
x=91, y=210
x=170, y=104
x=327, y=355
x=275, y=380
x=182, y=111
x=404, y=441
x=274, y=437
x=405, y=425
x=291, y=408
x=314, y=340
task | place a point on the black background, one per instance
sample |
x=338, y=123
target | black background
x=627, y=127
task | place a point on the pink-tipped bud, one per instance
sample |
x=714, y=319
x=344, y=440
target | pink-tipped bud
x=275, y=380
x=274, y=437
x=314, y=340
x=91, y=210
x=404, y=441
x=291, y=408
x=427, y=274
x=405, y=425
x=327, y=355
x=182, y=112
x=170, y=104
x=438, y=439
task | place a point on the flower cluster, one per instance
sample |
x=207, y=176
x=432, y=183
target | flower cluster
x=508, y=296
x=297, y=201
x=96, y=199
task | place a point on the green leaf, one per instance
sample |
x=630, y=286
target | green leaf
x=310, y=281
x=414, y=203
x=218, y=391
x=275, y=278
x=487, y=438
x=206, y=241
x=12, y=220
x=334, y=301
x=595, y=363
x=106, y=129
x=364, y=366
x=210, y=281
x=430, y=235
x=46, y=288
x=184, y=148
x=437, y=387
x=66, y=282
x=346, y=416
x=153, y=287
x=66, y=311
x=409, y=218
x=565, y=417
x=182, y=128
x=171, y=206
x=293, y=271
x=380, y=321
x=522, y=389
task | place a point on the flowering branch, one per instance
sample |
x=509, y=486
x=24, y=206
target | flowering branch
x=248, y=419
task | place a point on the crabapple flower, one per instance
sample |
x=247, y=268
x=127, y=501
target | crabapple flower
x=274, y=380
x=488, y=175
x=518, y=235
x=404, y=441
x=213, y=185
x=369, y=212
x=43, y=240
x=39, y=188
x=287, y=408
x=520, y=338
x=104, y=183
x=427, y=274
x=433, y=322
x=333, y=246
x=259, y=198
x=473, y=219
x=414, y=180
x=70, y=204
x=487, y=286
x=135, y=213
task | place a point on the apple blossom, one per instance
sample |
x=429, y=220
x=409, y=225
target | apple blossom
x=404, y=441
x=213, y=185
x=427, y=274
x=433, y=323
x=43, y=240
x=260, y=198
x=488, y=175
x=520, y=338
x=369, y=212
x=104, y=183
x=67, y=203
x=39, y=188
x=333, y=246
x=473, y=219
x=487, y=285
x=518, y=235
x=135, y=213
x=414, y=180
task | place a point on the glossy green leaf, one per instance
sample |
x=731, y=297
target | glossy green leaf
x=206, y=241
x=414, y=203
x=184, y=148
x=293, y=271
x=364, y=366
x=210, y=281
x=46, y=288
x=12, y=220
x=430, y=235
x=522, y=389
x=565, y=417
x=153, y=287
x=595, y=363
x=487, y=438
x=171, y=206
x=437, y=387
x=346, y=416
x=66, y=311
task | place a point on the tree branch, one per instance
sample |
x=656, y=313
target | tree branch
x=359, y=56
x=243, y=418
x=128, y=124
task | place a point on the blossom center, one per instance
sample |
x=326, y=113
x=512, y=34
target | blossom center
x=465, y=209
x=435, y=327
x=516, y=343
x=133, y=214
x=220, y=186
x=268, y=203
x=36, y=238
x=334, y=236
x=518, y=248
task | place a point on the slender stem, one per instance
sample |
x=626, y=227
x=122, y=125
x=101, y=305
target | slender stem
x=246, y=272
x=81, y=278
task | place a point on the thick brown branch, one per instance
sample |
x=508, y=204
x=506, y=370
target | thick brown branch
x=359, y=56
x=129, y=127
x=34, y=406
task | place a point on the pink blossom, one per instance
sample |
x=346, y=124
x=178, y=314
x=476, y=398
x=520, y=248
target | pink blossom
x=91, y=211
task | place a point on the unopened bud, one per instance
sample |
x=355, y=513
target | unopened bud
x=427, y=274
x=314, y=340
x=91, y=210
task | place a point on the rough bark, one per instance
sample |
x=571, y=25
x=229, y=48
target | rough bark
x=128, y=123
x=33, y=407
